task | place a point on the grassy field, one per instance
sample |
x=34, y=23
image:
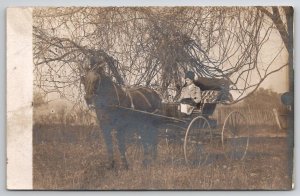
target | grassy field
x=74, y=157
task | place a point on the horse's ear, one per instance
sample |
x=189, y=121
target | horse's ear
x=82, y=78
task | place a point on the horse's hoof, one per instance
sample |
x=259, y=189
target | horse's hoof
x=125, y=166
x=124, y=163
x=111, y=165
x=146, y=163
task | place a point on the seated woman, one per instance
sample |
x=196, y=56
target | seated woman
x=190, y=94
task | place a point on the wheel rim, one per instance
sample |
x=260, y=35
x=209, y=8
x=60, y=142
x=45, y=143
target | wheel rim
x=235, y=136
x=197, y=141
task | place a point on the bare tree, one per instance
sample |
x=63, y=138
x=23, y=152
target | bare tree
x=154, y=46
x=282, y=18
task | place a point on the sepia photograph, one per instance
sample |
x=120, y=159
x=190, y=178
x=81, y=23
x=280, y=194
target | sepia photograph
x=153, y=98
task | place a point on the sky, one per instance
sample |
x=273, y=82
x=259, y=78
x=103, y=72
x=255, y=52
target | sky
x=278, y=82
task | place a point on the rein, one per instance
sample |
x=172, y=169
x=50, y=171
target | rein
x=116, y=90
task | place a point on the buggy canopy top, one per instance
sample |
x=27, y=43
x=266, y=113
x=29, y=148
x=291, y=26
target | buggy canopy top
x=212, y=84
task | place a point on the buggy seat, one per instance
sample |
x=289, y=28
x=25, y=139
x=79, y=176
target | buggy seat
x=213, y=91
x=209, y=100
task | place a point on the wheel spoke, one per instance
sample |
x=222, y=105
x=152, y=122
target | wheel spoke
x=197, y=141
x=134, y=151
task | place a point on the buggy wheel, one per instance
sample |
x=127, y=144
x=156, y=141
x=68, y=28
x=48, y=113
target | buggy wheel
x=197, y=141
x=235, y=136
x=173, y=134
x=174, y=139
x=134, y=150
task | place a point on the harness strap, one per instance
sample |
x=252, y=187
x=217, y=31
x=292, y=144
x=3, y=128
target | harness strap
x=145, y=98
x=127, y=92
x=116, y=90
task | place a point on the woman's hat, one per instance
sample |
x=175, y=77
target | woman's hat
x=190, y=75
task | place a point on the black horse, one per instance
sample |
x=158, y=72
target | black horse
x=111, y=102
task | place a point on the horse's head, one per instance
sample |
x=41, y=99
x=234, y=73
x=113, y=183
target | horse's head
x=90, y=82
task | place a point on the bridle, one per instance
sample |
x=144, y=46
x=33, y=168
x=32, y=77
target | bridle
x=96, y=85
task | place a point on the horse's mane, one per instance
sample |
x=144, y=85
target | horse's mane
x=91, y=77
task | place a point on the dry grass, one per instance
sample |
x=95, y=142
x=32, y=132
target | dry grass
x=74, y=157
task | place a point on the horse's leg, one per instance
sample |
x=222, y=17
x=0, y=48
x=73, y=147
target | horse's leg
x=122, y=146
x=146, y=142
x=152, y=135
x=154, y=141
x=149, y=140
x=109, y=145
x=106, y=127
